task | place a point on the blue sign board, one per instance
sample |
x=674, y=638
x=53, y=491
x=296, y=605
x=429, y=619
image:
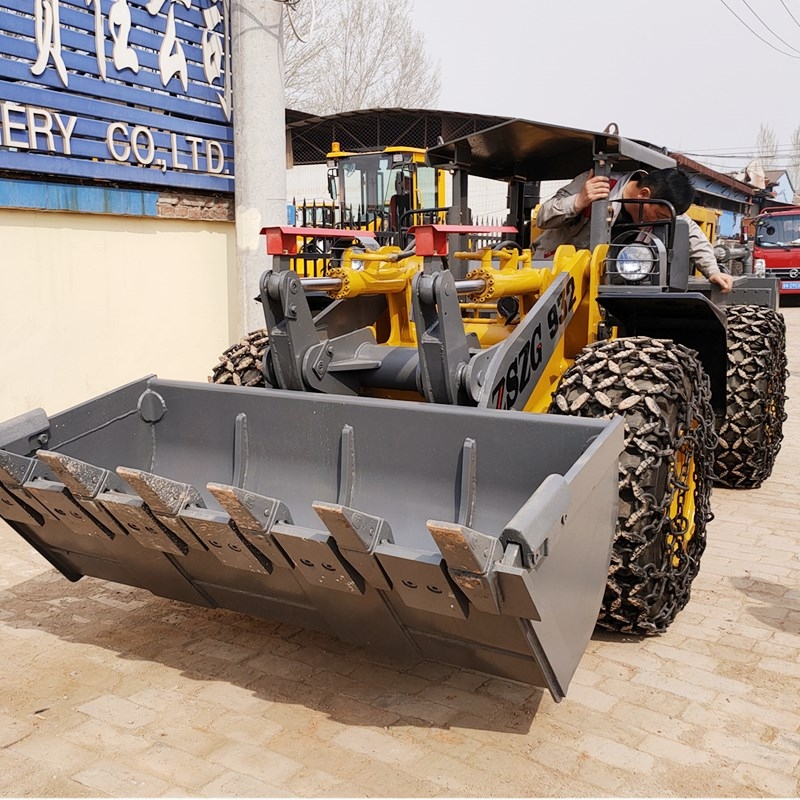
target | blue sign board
x=128, y=91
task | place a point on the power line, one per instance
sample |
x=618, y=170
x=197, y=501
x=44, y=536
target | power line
x=740, y=150
x=757, y=35
x=742, y=154
x=743, y=150
x=790, y=13
x=791, y=47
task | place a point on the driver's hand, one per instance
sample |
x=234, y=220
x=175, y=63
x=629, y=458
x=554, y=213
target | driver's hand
x=597, y=187
x=723, y=280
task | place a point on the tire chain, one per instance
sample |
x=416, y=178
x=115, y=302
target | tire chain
x=240, y=364
x=751, y=434
x=664, y=396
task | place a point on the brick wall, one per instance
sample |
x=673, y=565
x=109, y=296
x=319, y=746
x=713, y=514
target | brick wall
x=189, y=206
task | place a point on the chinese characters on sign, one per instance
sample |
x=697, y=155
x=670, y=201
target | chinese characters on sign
x=151, y=82
x=171, y=57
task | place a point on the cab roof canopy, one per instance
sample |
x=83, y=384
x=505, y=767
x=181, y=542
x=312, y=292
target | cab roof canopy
x=523, y=150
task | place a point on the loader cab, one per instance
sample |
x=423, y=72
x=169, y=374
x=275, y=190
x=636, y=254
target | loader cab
x=641, y=283
x=386, y=191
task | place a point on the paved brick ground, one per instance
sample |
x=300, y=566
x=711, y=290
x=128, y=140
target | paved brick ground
x=108, y=691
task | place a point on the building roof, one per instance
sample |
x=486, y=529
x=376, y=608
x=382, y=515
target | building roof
x=774, y=175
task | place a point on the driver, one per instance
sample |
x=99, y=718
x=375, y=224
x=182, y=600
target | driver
x=564, y=218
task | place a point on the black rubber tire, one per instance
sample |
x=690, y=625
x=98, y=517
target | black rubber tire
x=664, y=396
x=240, y=364
x=751, y=433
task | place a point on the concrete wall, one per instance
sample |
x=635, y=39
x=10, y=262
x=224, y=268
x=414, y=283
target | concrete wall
x=89, y=302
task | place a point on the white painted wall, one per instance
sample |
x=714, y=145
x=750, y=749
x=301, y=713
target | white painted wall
x=90, y=302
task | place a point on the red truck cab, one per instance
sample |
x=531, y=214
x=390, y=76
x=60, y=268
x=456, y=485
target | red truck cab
x=776, y=246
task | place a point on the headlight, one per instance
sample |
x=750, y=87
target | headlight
x=636, y=261
x=636, y=257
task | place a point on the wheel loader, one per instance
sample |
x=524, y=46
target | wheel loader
x=468, y=456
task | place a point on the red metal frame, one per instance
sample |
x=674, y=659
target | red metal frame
x=431, y=240
x=282, y=239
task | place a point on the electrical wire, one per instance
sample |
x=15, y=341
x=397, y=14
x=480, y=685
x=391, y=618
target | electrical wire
x=783, y=41
x=291, y=5
x=757, y=35
x=790, y=13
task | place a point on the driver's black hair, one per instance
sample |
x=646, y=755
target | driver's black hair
x=673, y=185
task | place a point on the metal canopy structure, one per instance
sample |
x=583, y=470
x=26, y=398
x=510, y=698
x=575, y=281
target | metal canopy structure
x=498, y=147
x=309, y=137
x=525, y=150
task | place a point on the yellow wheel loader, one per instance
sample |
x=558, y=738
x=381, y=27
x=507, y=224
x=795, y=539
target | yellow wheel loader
x=467, y=456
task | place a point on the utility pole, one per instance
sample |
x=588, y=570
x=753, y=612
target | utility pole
x=259, y=136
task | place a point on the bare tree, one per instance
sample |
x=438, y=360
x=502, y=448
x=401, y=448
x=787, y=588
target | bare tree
x=357, y=54
x=794, y=163
x=766, y=146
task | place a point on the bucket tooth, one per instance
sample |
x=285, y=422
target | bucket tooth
x=131, y=512
x=13, y=509
x=57, y=499
x=254, y=516
x=34, y=481
x=421, y=580
x=317, y=559
x=356, y=535
x=470, y=557
x=218, y=532
x=85, y=483
x=16, y=503
x=166, y=499
x=15, y=469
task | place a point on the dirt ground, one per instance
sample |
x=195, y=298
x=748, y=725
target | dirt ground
x=109, y=691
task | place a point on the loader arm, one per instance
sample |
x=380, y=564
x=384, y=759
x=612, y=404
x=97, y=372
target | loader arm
x=430, y=345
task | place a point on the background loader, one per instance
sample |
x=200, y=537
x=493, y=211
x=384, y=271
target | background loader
x=388, y=483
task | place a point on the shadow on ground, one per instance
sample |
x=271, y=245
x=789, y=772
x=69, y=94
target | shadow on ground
x=276, y=662
x=779, y=605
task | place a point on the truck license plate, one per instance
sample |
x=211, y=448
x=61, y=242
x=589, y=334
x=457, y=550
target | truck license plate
x=790, y=285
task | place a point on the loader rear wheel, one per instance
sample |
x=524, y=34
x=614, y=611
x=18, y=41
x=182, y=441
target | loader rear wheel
x=664, y=396
x=751, y=434
x=240, y=364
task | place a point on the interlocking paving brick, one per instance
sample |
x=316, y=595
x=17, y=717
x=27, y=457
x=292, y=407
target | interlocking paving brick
x=258, y=762
x=118, y=711
x=13, y=730
x=118, y=780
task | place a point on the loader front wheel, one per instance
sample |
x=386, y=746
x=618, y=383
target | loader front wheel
x=240, y=364
x=751, y=433
x=665, y=471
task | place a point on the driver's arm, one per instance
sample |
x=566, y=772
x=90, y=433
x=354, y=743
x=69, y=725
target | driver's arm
x=560, y=208
x=701, y=256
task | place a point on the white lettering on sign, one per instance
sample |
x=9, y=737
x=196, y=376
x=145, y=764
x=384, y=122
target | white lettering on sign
x=119, y=24
x=119, y=27
x=47, y=25
x=10, y=125
x=171, y=57
x=33, y=128
x=214, y=51
x=172, y=62
x=138, y=145
x=35, y=124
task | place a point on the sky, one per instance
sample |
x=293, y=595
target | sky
x=685, y=74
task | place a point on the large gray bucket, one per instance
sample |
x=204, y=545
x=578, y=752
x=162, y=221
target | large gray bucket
x=479, y=538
